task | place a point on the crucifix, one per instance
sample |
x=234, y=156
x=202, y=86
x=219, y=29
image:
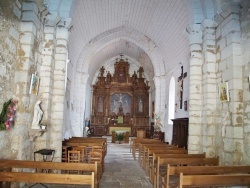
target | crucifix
x=180, y=86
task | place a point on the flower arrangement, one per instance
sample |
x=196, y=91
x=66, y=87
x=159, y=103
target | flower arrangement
x=7, y=115
x=120, y=137
x=157, y=125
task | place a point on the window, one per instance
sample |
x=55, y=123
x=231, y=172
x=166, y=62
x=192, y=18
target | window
x=171, y=105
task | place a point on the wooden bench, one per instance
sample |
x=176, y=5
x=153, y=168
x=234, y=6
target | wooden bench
x=161, y=162
x=214, y=180
x=152, y=160
x=31, y=172
x=173, y=172
x=143, y=151
x=136, y=141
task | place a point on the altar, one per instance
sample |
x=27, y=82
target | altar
x=119, y=129
x=120, y=101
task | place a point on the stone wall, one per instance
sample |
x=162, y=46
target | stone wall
x=32, y=42
x=220, y=53
x=9, y=42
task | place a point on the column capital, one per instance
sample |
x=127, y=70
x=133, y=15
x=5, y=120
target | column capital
x=67, y=23
x=209, y=23
x=52, y=19
x=194, y=34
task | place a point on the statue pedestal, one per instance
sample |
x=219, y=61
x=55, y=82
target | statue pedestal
x=34, y=133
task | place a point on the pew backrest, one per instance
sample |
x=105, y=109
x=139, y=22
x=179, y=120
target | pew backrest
x=214, y=180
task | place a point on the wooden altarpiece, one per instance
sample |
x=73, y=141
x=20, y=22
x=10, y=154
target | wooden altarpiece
x=120, y=101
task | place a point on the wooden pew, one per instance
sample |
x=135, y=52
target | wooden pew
x=214, y=180
x=172, y=172
x=153, y=159
x=144, y=147
x=29, y=172
x=161, y=162
x=137, y=141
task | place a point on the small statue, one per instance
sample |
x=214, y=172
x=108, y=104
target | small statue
x=108, y=77
x=102, y=71
x=140, y=72
x=38, y=113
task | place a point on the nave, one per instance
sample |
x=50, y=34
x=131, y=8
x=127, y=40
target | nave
x=120, y=169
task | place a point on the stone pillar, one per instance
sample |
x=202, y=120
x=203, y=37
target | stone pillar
x=29, y=56
x=48, y=66
x=209, y=115
x=160, y=90
x=195, y=90
x=245, y=47
x=229, y=35
x=57, y=105
x=77, y=117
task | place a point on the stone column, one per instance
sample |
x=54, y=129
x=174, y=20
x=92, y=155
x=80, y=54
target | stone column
x=230, y=67
x=160, y=90
x=57, y=105
x=29, y=56
x=195, y=90
x=77, y=117
x=245, y=47
x=209, y=114
x=48, y=65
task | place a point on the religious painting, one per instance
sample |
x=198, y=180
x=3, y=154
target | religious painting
x=185, y=105
x=223, y=92
x=100, y=104
x=34, y=84
x=140, y=104
x=120, y=100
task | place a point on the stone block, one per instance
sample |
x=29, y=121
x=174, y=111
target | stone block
x=60, y=65
x=223, y=65
x=31, y=17
x=49, y=30
x=232, y=25
x=17, y=12
x=221, y=43
x=237, y=97
x=193, y=140
x=233, y=37
x=30, y=6
x=196, y=129
x=236, y=84
x=61, y=57
x=49, y=38
x=21, y=77
x=14, y=33
x=237, y=120
x=62, y=33
x=195, y=70
x=211, y=129
x=26, y=51
x=27, y=38
x=247, y=128
x=62, y=43
x=28, y=27
x=226, y=52
x=227, y=74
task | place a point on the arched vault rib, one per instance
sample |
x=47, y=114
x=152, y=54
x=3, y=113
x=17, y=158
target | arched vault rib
x=113, y=35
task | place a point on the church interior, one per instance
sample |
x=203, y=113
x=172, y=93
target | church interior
x=177, y=71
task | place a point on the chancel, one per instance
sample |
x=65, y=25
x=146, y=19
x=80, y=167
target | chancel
x=162, y=75
x=125, y=96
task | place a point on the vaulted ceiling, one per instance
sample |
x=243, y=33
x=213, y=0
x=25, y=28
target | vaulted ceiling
x=150, y=33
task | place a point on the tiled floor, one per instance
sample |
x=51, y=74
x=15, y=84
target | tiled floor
x=121, y=170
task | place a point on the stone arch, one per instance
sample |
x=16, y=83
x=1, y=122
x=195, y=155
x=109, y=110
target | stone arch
x=113, y=35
